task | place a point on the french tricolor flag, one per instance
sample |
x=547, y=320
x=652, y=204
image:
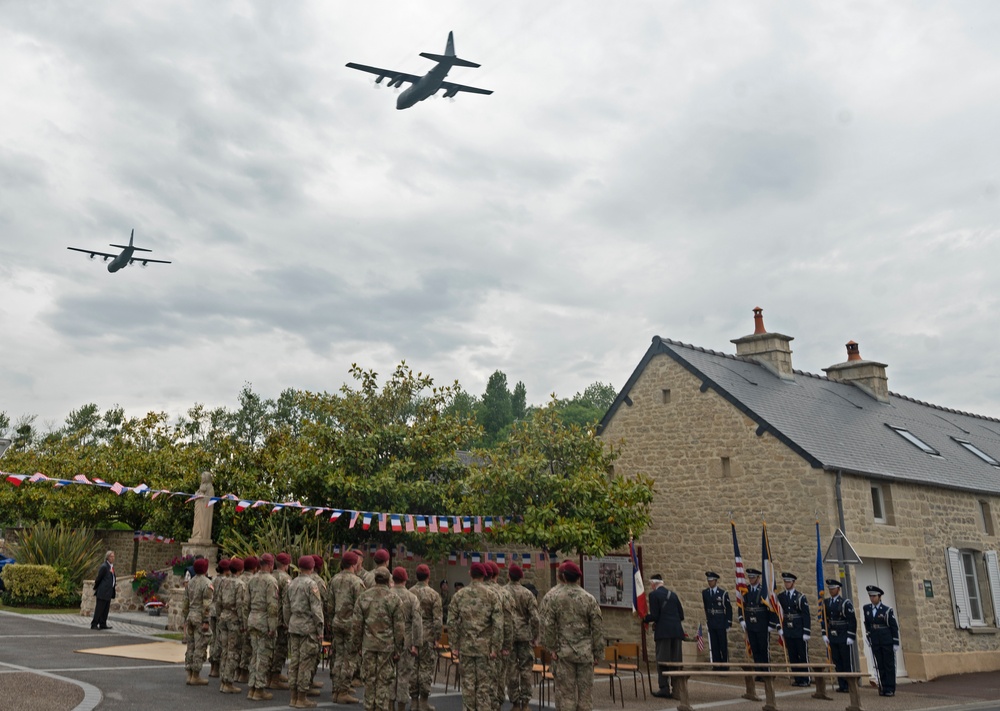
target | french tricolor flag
x=526, y=560
x=16, y=479
x=421, y=524
x=466, y=524
x=453, y=558
x=366, y=521
x=477, y=558
x=334, y=515
x=442, y=524
x=397, y=523
x=242, y=505
x=488, y=524
x=502, y=560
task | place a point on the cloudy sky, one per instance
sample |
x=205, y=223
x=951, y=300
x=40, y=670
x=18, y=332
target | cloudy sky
x=643, y=168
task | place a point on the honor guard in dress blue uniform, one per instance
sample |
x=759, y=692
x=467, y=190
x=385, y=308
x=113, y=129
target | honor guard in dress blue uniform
x=796, y=625
x=840, y=629
x=756, y=619
x=719, y=613
x=883, y=637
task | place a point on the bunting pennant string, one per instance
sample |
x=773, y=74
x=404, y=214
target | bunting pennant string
x=386, y=521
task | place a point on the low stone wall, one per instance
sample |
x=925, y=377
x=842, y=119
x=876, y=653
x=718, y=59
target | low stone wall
x=125, y=598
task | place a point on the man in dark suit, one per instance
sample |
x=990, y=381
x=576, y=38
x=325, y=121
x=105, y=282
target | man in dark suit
x=840, y=628
x=104, y=592
x=796, y=625
x=666, y=613
x=756, y=619
x=719, y=613
x=883, y=636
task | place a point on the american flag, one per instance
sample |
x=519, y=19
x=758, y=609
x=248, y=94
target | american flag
x=700, y=639
x=742, y=585
x=118, y=488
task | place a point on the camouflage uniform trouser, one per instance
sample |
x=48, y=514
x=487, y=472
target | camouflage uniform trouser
x=245, y=651
x=574, y=685
x=230, y=639
x=378, y=672
x=280, y=650
x=197, y=643
x=262, y=645
x=423, y=671
x=214, y=651
x=520, y=679
x=500, y=678
x=342, y=660
x=303, y=651
x=478, y=679
x=404, y=673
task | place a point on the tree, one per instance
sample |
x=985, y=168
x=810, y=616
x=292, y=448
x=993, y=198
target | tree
x=554, y=481
x=519, y=401
x=495, y=410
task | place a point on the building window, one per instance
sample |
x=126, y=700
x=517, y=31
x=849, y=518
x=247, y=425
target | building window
x=985, y=517
x=666, y=396
x=878, y=504
x=978, y=452
x=972, y=587
x=726, y=467
x=966, y=568
x=914, y=440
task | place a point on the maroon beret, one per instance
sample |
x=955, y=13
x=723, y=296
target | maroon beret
x=570, y=567
x=350, y=559
x=424, y=570
x=360, y=554
x=399, y=574
x=236, y=565
x=306, y=562
x=222, y=565
x=201, y=566
x=381, y=556
x=250, y=563
x=478, y=570
x=267, y=559
x=515, y=572
x=283, y=559
x=318, y=559
x=494, y=568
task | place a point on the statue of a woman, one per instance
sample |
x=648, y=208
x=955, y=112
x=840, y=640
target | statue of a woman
x=201, y=532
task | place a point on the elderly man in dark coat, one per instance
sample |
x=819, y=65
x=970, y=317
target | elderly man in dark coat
x=666, y=613
x=104, y=592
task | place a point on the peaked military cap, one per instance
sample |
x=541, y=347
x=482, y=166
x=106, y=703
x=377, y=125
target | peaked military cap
x=754, y=572
x=712, y=576
x=656, y=577
x=833, y=582
x=789, y=576
x=875, y=590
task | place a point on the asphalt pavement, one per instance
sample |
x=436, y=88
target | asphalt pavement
x=40, y=669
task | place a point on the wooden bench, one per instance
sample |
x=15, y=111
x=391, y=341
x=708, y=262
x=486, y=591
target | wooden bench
x=681, y=673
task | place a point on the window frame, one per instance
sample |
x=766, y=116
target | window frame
x=969, y=560
x=914, y=440
x=877, y=487
x=984, y=456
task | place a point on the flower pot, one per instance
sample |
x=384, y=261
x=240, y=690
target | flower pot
x=154, y=612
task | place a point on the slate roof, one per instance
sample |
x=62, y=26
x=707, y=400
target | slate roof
x=837, y=426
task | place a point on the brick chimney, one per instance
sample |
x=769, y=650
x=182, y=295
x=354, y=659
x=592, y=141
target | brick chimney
x=866, y=374
x=771, y=350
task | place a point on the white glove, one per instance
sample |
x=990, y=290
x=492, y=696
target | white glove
x=826, y=640
x=850, y=642
x=781, y=632
x=895, y=647
x=743, y=625
x=805, y=638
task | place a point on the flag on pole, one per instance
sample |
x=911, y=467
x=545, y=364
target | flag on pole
x=770, y=581
x=639, y=604
x=742, y=585
x=700, y=639
x=820, y=587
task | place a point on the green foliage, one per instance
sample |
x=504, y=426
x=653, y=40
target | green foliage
x=495, y=411
x=24, y=582
x=587, y=408
x=75, y=553
x=554, y=480
x=274, y=536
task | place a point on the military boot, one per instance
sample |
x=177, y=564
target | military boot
x=275, y=682
x=400, y=706
x=424, y=706
x=244, y=676
x=263, y=695
x=214, y=671
x=294, y=701
x=229, y=688
x=196, y=680
x=252, y=694
x=346, y=697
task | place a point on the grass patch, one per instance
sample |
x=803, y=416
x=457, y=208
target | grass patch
x=170, y=635
x=41, y=610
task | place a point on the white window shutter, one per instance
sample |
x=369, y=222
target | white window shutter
x=993, y=573
x=959, y=595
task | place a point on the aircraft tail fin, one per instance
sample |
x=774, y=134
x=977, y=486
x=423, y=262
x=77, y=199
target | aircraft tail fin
x=449, y=55
x=127, y=246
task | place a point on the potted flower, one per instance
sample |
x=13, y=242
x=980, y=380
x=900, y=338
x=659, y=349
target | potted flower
x=153, y=606
x=180, y=564
x=146, y=583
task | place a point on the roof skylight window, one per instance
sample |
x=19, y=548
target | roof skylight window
x=914, y=440
x=978, y=452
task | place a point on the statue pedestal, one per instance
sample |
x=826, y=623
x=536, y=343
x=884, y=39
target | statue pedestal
x=203, y=548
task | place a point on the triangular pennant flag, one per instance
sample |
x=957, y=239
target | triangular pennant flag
x=276, y=508
x=366, y=521
x=37, y=476
x=242, y=505
x=194, y=497
x=335, y=514
x=81, y=478
x=354, y=519
x=16, y=479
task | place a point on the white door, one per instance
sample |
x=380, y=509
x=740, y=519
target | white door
x=875, y=571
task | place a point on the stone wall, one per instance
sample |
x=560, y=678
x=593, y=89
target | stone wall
x=710, y=466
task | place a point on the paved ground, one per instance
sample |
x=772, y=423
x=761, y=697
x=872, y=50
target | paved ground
x=39, y=669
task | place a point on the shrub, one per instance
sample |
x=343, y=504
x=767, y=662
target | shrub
x=75, y=553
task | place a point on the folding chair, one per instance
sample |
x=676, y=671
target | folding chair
x=443, y=654
x=627, y=661
x=543, y=673
x=611, y=673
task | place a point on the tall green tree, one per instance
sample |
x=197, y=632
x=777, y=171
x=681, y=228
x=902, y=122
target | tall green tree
x=495, y=411
x=519, y=401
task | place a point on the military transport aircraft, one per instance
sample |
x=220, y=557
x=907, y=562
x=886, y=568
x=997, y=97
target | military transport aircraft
x=124, y=258
x=431, y=82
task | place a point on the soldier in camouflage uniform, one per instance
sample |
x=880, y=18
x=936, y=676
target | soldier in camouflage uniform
x=381, y=559
x=262, y=623
x=573, y=632
x=432, y=617
x=232, y=599
x=476, y=623
x=342, y=595
x=503, y=659
x=378, y=633
x=315, y=686
x=249, y=570
x=303, y=613
x=276, y=680
x=519, y=675
x=215, y=651
x=197, y=603
x=413, y=637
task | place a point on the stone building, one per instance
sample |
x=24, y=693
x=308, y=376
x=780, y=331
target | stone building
x=745, y=437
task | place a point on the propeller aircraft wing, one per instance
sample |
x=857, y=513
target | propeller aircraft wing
x=452, y=89
x=92, y=253
x=395, y=78
x=145, y=261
